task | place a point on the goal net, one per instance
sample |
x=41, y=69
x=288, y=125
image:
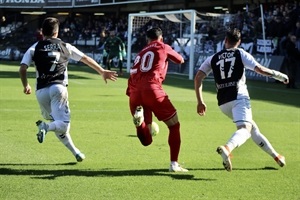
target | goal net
x=185, y=30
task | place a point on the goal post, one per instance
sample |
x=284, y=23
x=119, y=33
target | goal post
x=183, y=19
x=195, y=35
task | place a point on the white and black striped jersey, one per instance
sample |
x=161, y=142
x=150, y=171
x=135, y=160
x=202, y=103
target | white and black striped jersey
x=51, y=57
x=228, y=67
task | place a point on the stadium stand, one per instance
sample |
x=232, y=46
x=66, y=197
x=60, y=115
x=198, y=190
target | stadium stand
x=84, y=28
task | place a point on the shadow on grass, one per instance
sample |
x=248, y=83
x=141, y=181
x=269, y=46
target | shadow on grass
x=53, y=174
x=235, y=169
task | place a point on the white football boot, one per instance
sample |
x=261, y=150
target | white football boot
x=225, y=154
x=138, y=116
x=42, y=130
x=80, y=157
x=177, y=168
x=280, y=160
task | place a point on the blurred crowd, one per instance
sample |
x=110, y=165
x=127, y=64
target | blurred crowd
x=280, y=20
x=76, y=27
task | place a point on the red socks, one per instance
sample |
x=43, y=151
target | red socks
x=144, y=134
x=174, y=141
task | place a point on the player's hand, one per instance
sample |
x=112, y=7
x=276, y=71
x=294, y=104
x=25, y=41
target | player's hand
x=111, y=75
x=286, y=81
x=201, y=109
x=27, y=89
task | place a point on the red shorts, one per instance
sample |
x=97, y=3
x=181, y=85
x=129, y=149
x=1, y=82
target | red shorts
x=153, y=101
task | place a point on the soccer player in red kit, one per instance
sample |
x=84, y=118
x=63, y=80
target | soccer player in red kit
x=146, y=95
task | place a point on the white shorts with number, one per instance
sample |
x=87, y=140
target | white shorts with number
x=238, y=110
x=54, y=104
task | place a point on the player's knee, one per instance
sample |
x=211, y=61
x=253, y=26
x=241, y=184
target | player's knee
x=172, y=121
x=245, y=125
x=61, y=126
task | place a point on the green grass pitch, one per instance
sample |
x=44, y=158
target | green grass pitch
x=117, y=166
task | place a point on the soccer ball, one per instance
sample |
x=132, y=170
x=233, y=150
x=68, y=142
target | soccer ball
x=154, y=129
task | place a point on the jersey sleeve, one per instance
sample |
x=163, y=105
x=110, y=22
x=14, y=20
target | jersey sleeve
x=75, y=54
x=27, y=58
x=206, y=66
x=173, y=55
x=248, y=60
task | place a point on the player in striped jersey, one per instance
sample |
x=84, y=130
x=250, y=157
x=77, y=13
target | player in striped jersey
x=51, y=56
x=228, y=67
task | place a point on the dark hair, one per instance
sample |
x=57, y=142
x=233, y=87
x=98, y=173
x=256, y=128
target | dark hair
x=50, y=26
x=153, y=33
x=233, y=35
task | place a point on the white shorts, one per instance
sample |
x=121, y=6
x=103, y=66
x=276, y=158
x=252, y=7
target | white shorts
x=238, y=110
x=54, y=104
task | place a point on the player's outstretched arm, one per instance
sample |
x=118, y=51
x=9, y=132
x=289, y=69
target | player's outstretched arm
x=24, y=80
x=201, y=106
x=106, y=74
x=272, y=73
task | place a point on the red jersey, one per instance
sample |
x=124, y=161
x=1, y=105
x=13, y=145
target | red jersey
x=150, y=67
